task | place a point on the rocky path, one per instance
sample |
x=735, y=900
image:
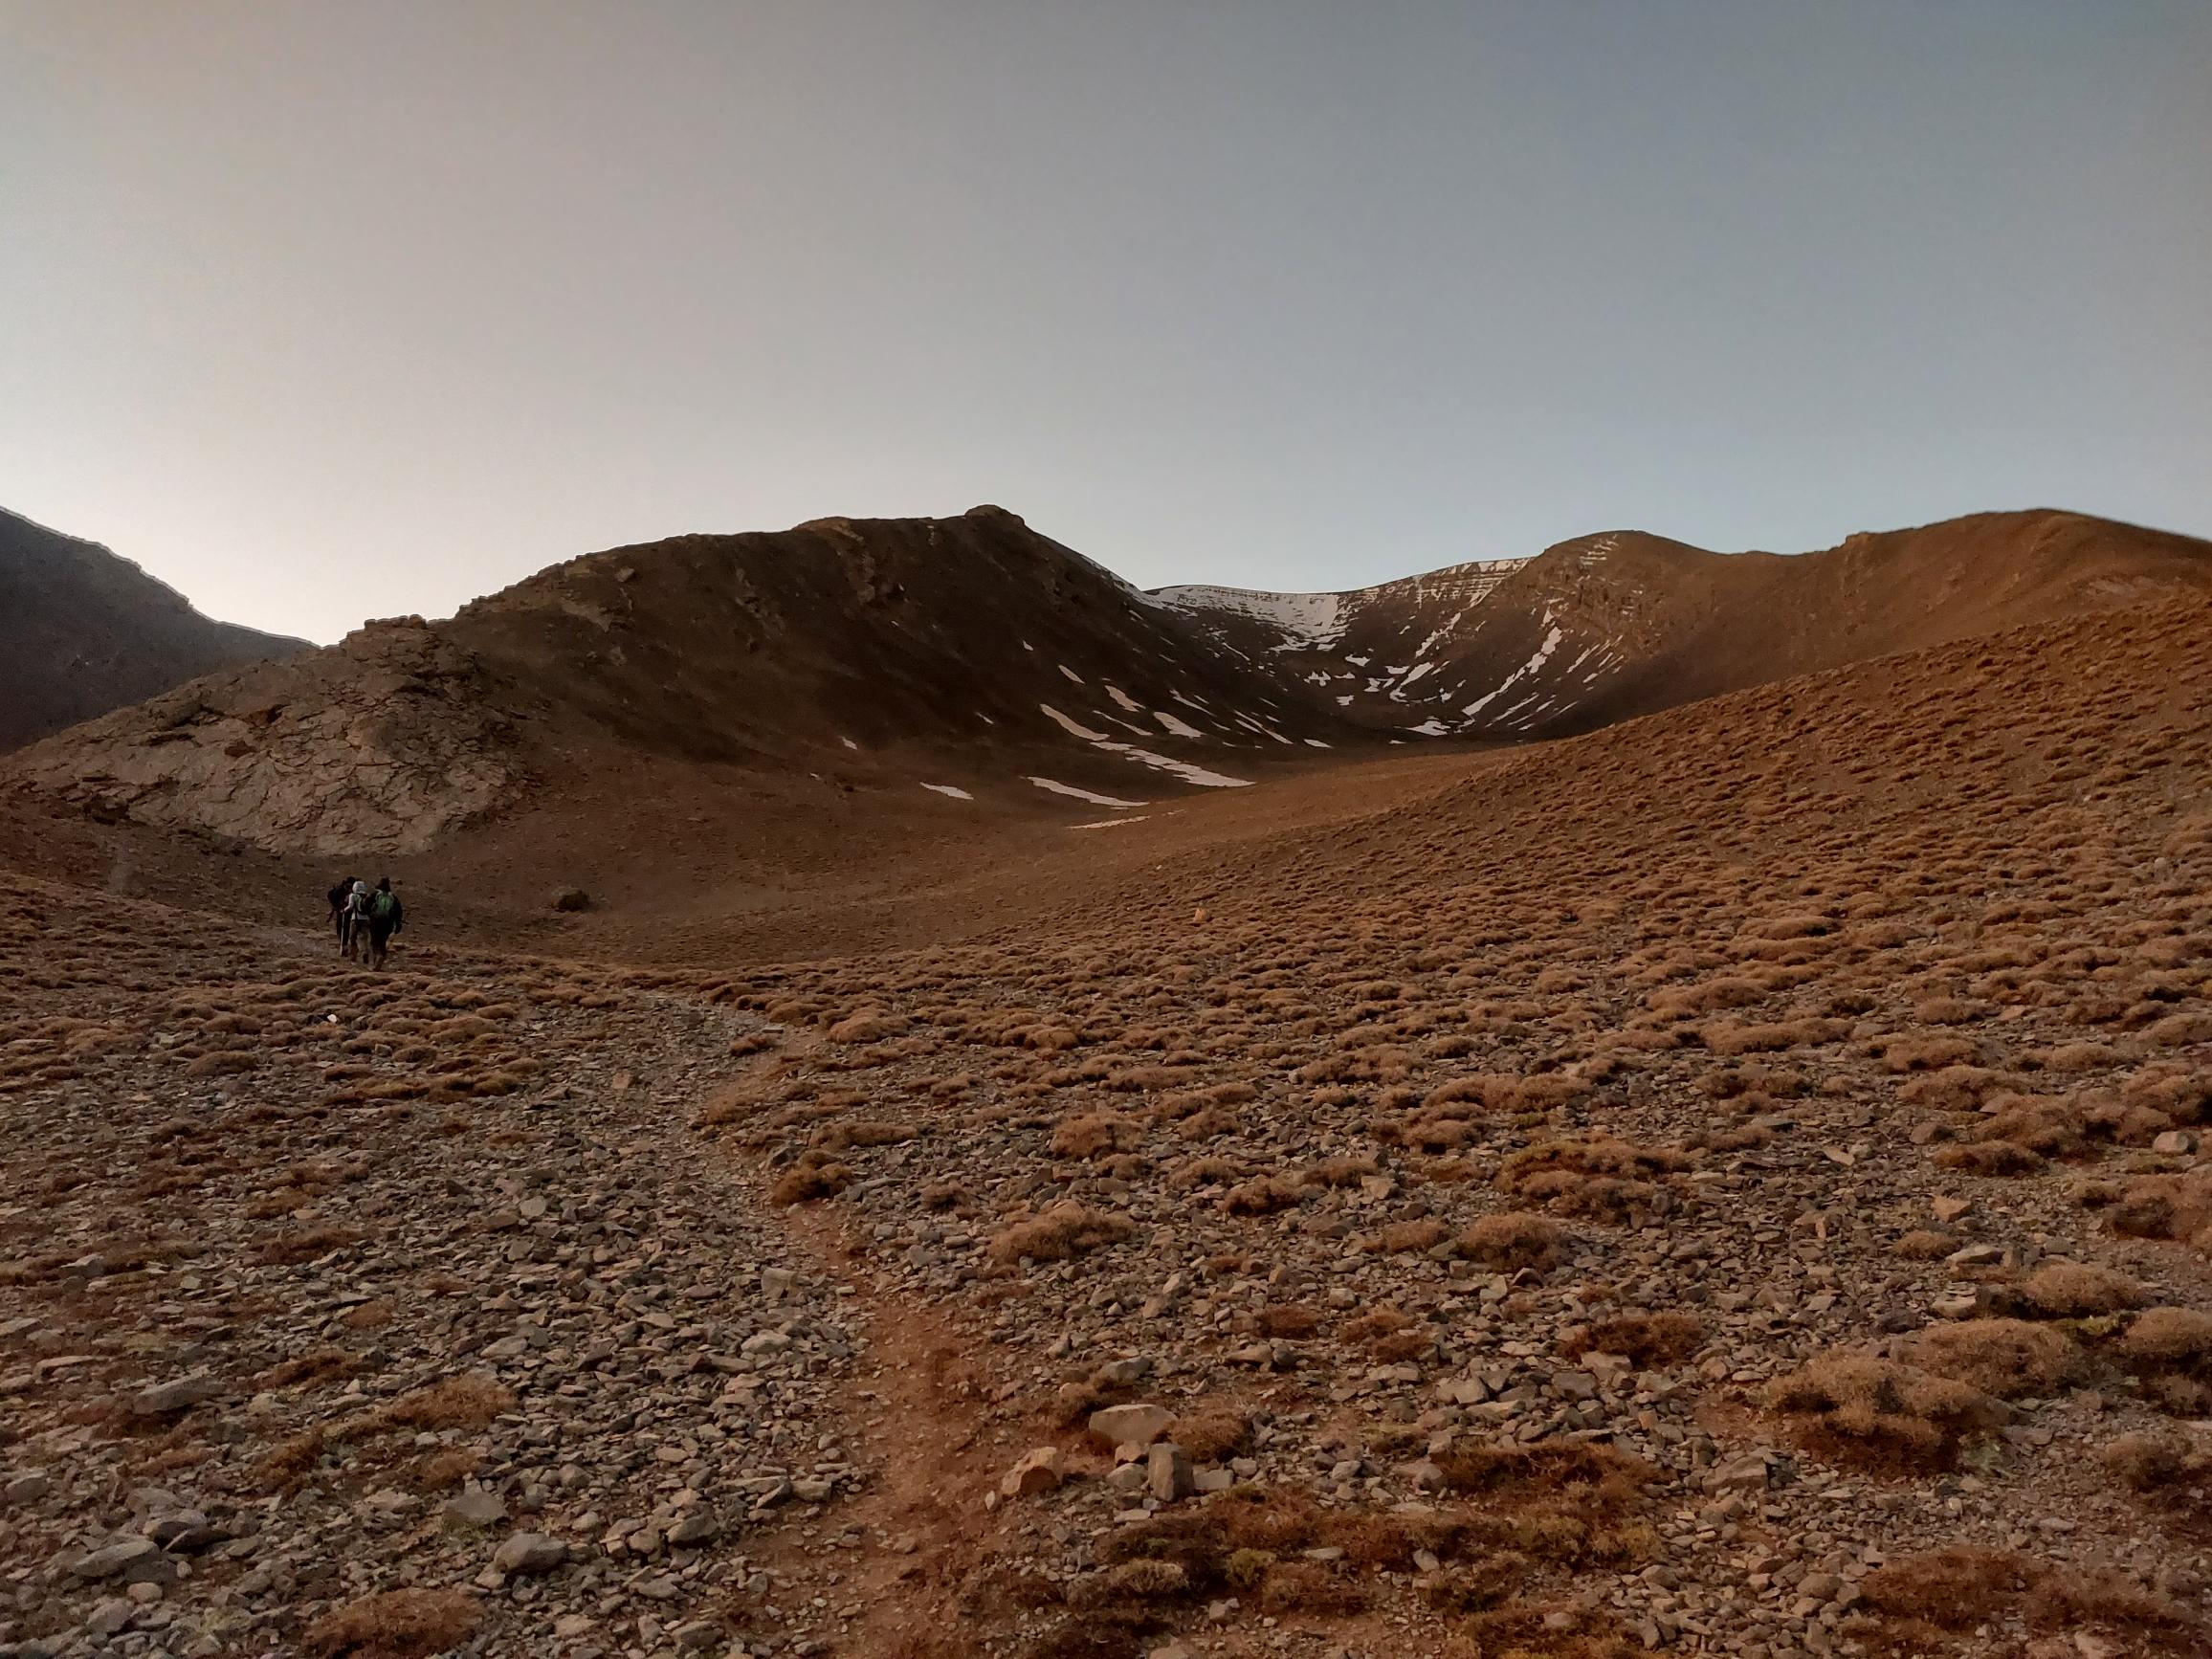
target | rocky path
x=339, y=1309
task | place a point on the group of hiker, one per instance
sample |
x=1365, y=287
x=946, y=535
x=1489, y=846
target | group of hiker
x=365, y=918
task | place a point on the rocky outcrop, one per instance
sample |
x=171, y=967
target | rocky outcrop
x=381, y=745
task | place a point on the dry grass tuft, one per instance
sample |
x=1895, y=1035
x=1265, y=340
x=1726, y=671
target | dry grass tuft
x=1211, y=1436
x=2002, y=1357
x=1516, y=1239
x=2153, y=1463
x=2168, y=1340
x=1066, y=1230
x=1095, y=1135
x=467, y=1401
x=1953, y=1589
x=1857, y=1410
x=1651, y=1340
x=1603, y=1180
x=816, y=1175
x=2081, y=1291
x=394, y=1625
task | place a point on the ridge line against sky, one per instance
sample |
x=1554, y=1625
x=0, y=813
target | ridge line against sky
x=322, y=311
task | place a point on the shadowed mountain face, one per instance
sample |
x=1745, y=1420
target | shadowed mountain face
x=1001, y=672
x=83, y=631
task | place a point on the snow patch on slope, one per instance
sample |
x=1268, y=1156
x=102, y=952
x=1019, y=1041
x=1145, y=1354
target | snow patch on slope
x=1182, y=769
x=1309, y=621
x=1091, y=795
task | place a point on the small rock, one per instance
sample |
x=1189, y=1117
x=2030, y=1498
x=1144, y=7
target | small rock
x=571, y=898
x=1748, y=1472
x=1037, y=1471
x=1948, y=1209
x=1167, y=1471
x=1139, y=1425
x=696, y=1528
x=2175, y=1140
x=474, y=1508
x=118, y=1559
x=181, y=1395
x=528, y=1554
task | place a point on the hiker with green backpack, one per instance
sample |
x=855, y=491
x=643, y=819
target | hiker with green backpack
x=384, y=918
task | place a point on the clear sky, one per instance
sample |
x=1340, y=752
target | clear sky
x=323, y=310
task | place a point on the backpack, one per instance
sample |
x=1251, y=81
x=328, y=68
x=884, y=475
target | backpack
x=381, y=906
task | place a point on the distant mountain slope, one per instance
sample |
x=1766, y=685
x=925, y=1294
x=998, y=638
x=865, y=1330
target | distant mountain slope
x=1612, y=626
x=956, y=648
x=1000, y=671
x=83, y=631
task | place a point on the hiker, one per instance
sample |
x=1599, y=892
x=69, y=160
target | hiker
x=353, y=931
x=338, y=898
x=385, y=919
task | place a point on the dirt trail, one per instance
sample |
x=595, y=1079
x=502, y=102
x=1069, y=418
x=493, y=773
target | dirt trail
x=916, y=1419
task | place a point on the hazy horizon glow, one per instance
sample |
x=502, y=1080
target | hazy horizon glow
x=320, y=311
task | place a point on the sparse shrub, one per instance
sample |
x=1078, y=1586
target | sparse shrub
x=2061, y=1290
x=816, y=1175
x=1514, y=1239
x=1287, y=1321
x=1065, y=1230
x=1211, y=1436
x=1953, y=1589
x=1988, y=1157
x=394, y=1625
x=1856, y=1408
x=1263, y=1197
x=1649, y=1340
x=2002, y=1357
x=466, y=1402
x=1404, y=1237
x=1095, y=1135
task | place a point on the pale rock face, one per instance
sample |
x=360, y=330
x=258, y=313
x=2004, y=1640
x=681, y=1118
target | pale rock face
x=382, y=745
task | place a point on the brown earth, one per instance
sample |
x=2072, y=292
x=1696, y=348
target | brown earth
x=83, y=631
x=1729, y=1182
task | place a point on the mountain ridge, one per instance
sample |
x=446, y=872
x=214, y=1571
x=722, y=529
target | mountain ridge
x=87, y=631
x=974, y=656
